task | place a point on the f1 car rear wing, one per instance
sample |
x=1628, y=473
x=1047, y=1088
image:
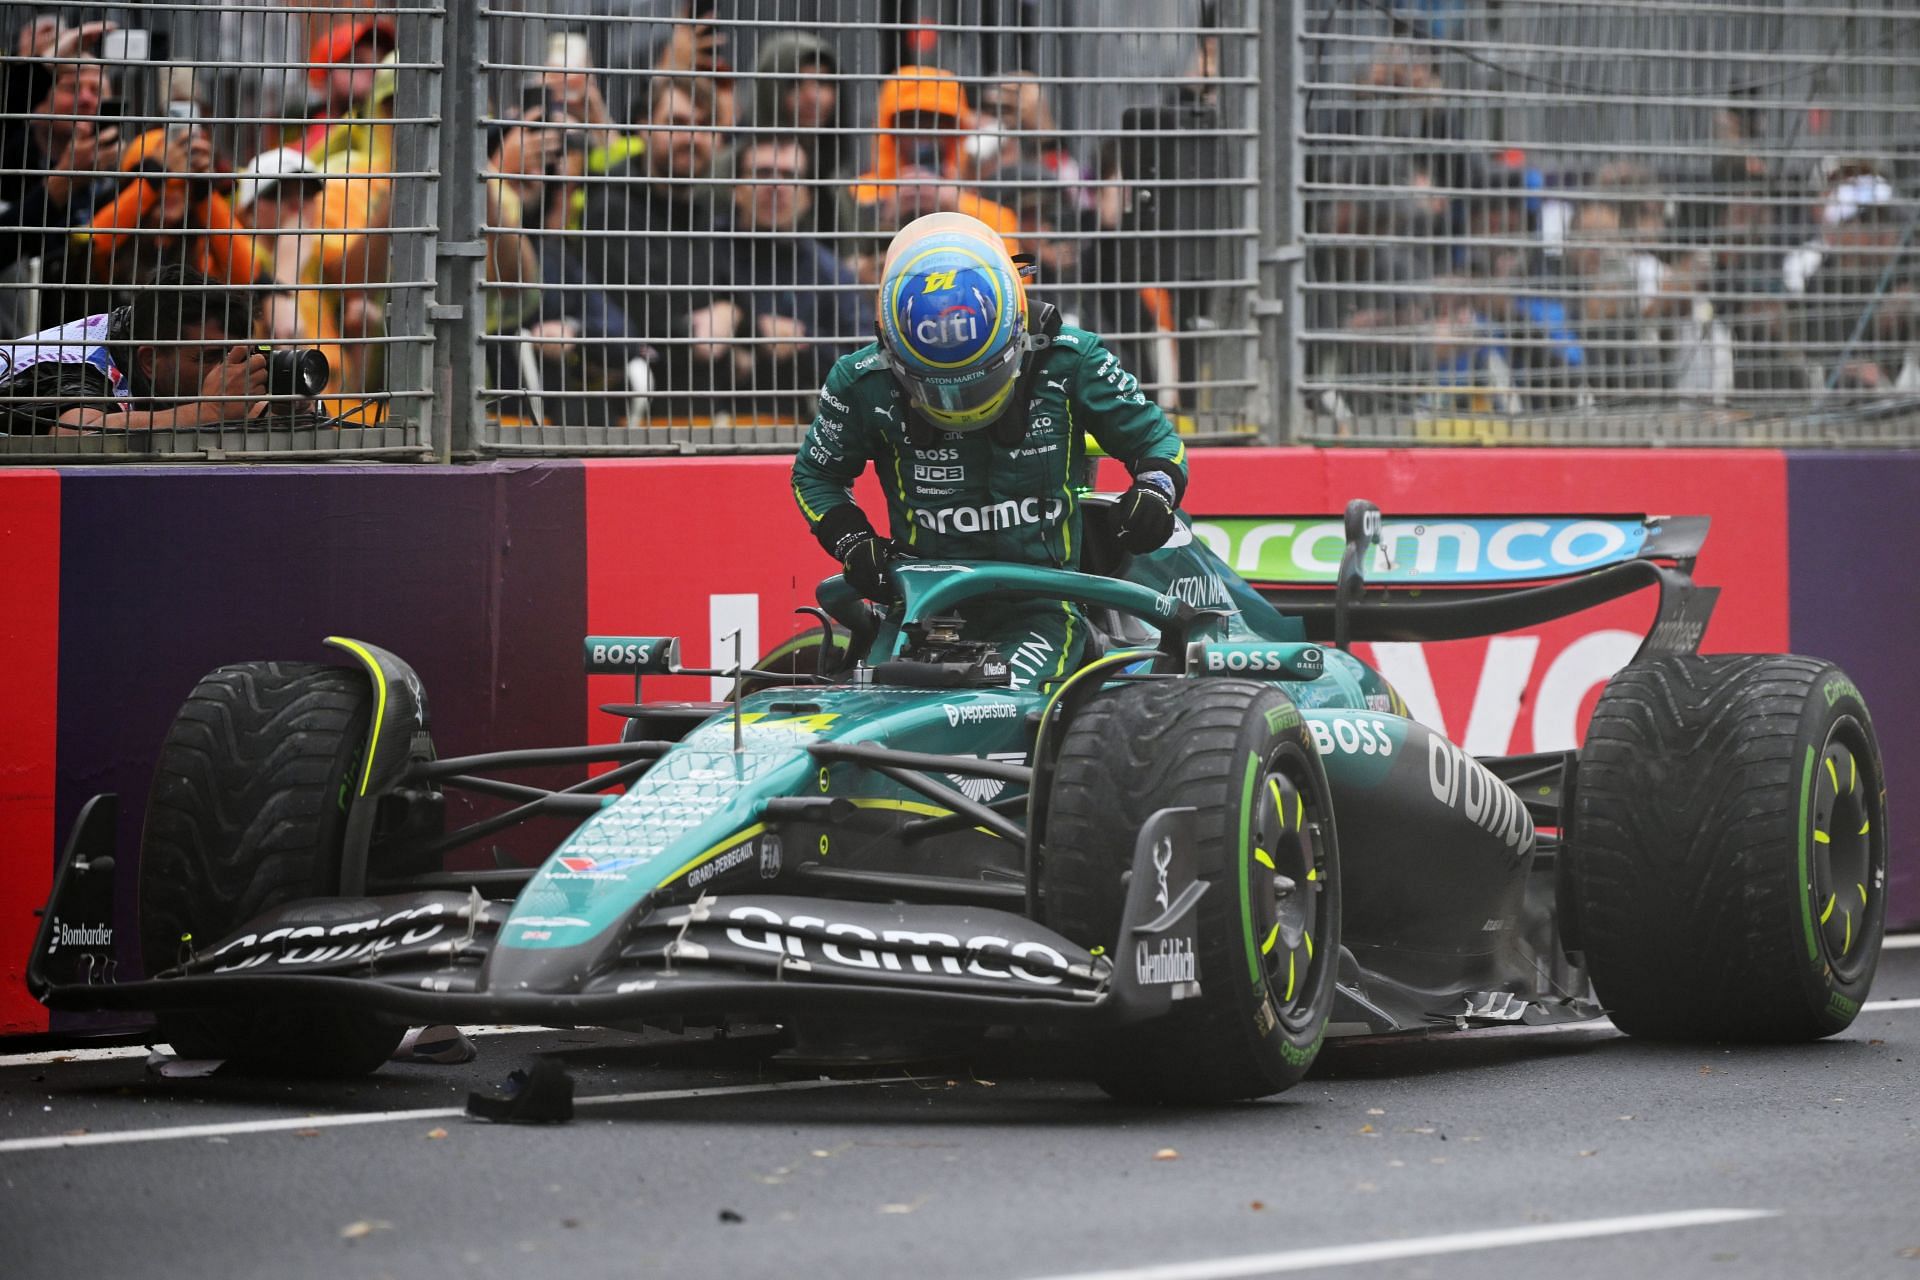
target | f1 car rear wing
x=1474, y=575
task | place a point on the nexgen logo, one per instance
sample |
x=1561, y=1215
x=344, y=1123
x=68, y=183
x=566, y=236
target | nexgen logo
x=1010, y=514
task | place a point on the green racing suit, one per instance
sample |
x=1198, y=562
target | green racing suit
x=1007, y=492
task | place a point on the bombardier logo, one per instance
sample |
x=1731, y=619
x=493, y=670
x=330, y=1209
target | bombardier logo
x=78, y=935
x=1010, y=514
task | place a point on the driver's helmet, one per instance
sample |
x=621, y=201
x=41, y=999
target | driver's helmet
x=953, y=319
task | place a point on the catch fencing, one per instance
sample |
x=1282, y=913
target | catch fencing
x=645, y=226
x=218, y=230
x=1608, y=221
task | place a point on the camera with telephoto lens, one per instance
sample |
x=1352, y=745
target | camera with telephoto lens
x=297, y=372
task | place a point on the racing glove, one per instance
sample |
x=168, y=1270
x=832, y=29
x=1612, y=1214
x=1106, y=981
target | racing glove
x=864, y=561
x=1143, y=519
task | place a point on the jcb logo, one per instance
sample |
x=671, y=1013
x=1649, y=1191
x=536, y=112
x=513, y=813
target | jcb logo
x=938, y=280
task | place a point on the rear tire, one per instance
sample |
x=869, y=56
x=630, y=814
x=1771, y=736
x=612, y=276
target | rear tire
x=1238, y=753
x=248, y=811
x=1728, y=853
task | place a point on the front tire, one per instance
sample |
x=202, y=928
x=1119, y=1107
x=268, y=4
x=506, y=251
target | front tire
x=248, y=811
x=1728, y=855
x=1269, y=929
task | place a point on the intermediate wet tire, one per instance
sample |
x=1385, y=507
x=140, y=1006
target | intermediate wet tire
x=1238, y=753
x=1728, y=853
x=248, y=811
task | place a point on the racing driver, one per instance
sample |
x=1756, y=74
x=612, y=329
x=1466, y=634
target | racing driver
x=974, y=406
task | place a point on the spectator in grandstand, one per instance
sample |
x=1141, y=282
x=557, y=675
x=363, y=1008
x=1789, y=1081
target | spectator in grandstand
x=272, y=195
x=350, y=139
x=1853, y=292
x=344, y=80
x=1048, y=223
x=923, y=119
x=1135, y=315
x=1638, y=324
x=648, y=240
x=177, y=358
x=1019, y=109
x=67, y=132
x=802, y=305
x=165, y=214
x=796, y=93
x=576, y=338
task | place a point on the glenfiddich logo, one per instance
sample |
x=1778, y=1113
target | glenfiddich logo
x=1170, y=961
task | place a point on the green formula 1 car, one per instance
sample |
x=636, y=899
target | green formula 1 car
x=1218, y=841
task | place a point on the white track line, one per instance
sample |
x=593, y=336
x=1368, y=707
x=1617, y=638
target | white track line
x=387, y=1117
x=1876, y=1006
x=45, y=1056
x=1900, y=941
x=1343, y=1255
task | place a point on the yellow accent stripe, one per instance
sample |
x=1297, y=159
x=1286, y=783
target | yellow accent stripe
x=1299, y=812
x=915, y=806
x=1864, y=824
x=813, y=517
x=1863, y=893
x=1313, y=873
x=1279, y=801
x=379, y=705
x=1846, y=944
x=1834, y=774
x=1853, y=772
x=1289, y=995
x=1273, y=935
x=1309, y=939
x=1827, y=912
x=1821, y=837
x=1260, y=856
x=731, y=842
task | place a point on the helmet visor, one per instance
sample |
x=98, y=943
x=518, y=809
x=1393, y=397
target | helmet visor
x=968, y=401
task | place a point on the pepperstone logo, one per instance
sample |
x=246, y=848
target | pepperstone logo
x=1465, y=549
x=979, y=712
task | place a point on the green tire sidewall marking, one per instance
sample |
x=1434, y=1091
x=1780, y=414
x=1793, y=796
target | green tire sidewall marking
x=1806, y=882
x=1246, y=893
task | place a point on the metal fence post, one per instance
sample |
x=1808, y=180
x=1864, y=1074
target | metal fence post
x=1281, y=219
x=459, y=311
x=418, y=95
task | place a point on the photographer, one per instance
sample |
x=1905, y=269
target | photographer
x=179, y=358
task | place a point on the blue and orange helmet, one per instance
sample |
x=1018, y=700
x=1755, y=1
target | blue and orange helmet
x=953, y=319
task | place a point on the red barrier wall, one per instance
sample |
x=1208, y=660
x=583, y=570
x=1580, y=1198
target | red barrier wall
x=30, y=637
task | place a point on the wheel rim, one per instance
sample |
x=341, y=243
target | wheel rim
x=1848, y=879
x=1287, y=884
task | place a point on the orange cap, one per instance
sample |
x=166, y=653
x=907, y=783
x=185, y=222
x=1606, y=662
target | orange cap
x=339, y=45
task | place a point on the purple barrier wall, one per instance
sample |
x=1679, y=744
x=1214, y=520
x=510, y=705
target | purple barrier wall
x=1854, y=520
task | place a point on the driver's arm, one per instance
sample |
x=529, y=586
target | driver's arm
x=1109, y=404
x=831, y=458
